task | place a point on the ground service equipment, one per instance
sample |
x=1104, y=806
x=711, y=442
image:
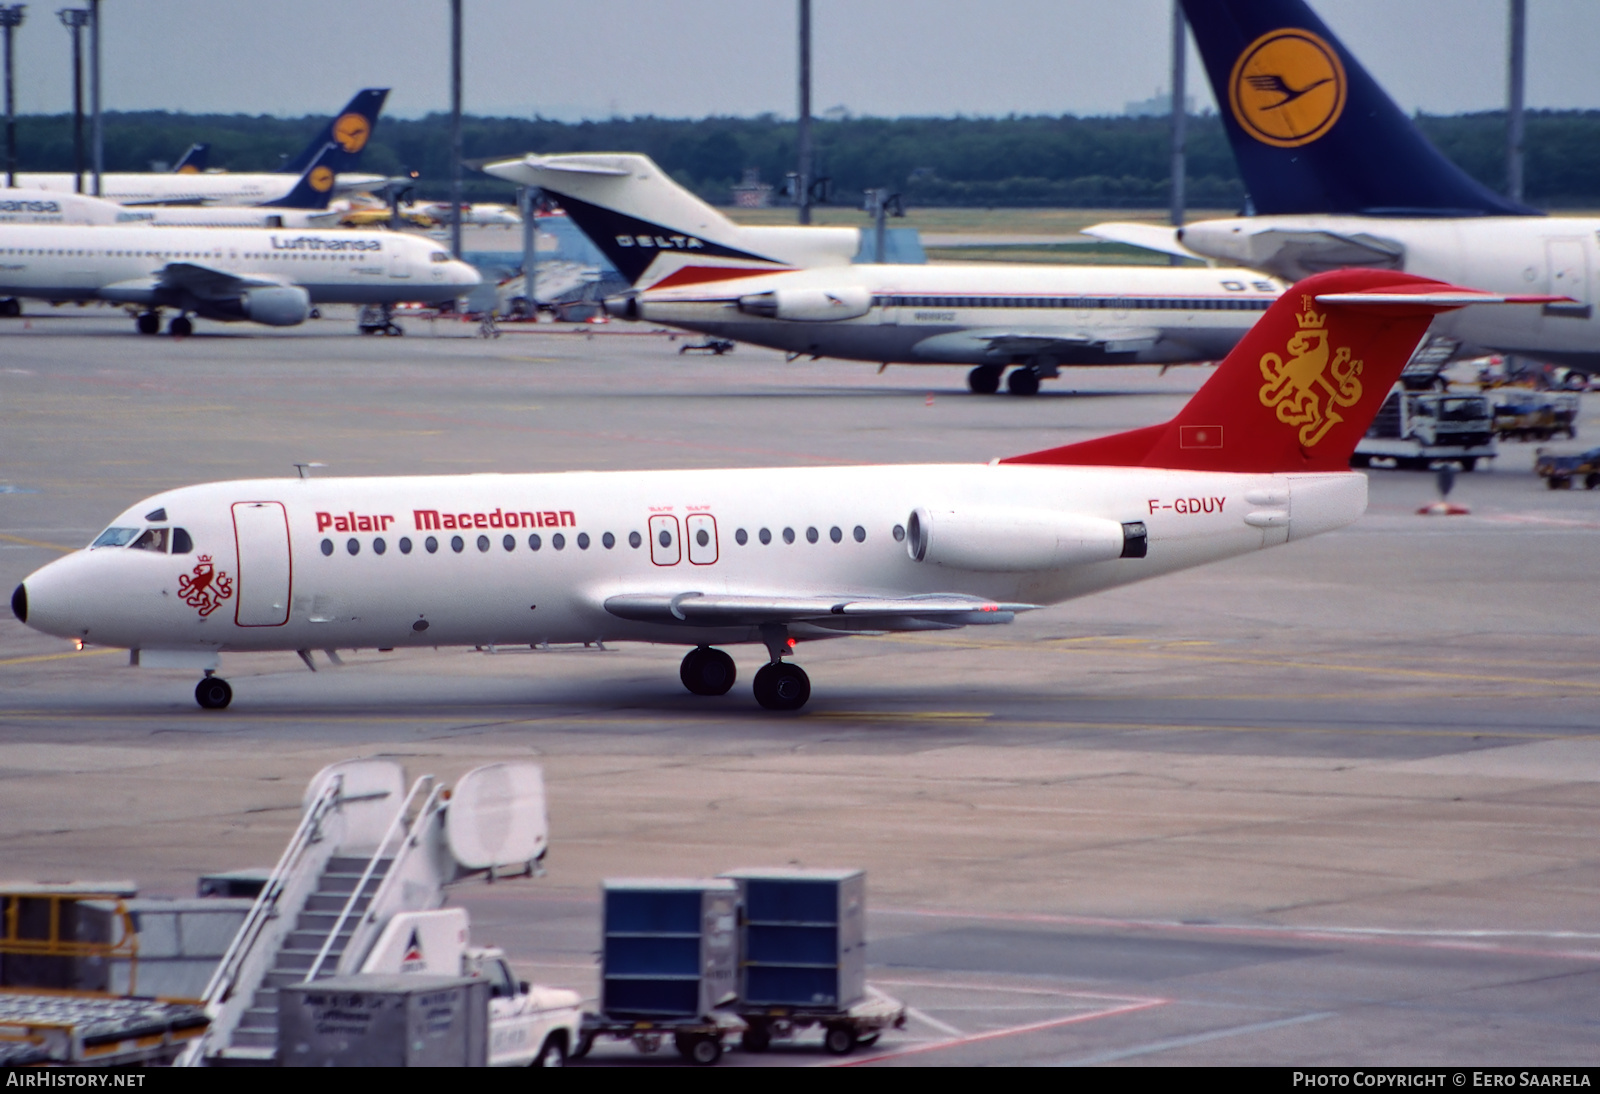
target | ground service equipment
x=803, y=959
x=668, y=965
x=1417, y=429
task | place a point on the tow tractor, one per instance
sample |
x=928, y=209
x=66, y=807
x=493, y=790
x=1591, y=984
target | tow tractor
x=1418, y=429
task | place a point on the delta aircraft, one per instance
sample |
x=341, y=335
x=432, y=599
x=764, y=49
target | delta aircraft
x=1339, y=176
x=775, y=557
x=263, y=275
x=796, y=288
x=349, y=132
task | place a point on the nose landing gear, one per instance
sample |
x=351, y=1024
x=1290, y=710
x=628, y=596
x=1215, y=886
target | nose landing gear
x=213, y=693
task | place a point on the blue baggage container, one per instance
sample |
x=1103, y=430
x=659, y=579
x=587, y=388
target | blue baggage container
x=669, y=948
x=802, y=938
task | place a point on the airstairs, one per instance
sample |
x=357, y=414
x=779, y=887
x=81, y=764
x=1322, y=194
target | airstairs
x=366, y=849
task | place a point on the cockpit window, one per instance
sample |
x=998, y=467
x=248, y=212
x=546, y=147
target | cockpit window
x=115, y=537
x=181, y=543
x=154, y=539
x=439, y=256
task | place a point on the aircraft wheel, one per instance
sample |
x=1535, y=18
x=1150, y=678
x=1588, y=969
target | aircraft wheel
x=180, y=327
x=1469, y=464
x=149, y=322
x=706, y=671
x=782, y=686
x=984, y=380
x=757, y=1037
x=552, y=1054
x=213, y=693
x=1591, y=480
x=10, y=308
x=1023, y=381
x=839, y=1040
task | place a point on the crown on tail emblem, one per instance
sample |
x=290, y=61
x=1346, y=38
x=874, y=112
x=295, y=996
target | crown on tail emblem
x=1306, y=389
x=205, y=589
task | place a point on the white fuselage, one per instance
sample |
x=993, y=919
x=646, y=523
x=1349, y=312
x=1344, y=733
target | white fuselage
x=1558, y=255
x=203, y=187
x=448, y=560
x=979, y=314
x=123, y=264
x=19, y=206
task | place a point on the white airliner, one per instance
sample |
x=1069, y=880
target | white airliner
x=304, y=206
x=258, y=274
x=1258, y=457
x=795, y=289
x=349, y=131
x=1339, y=176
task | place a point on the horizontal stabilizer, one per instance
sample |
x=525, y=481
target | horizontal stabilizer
x=1301, y=388
x=1152, y=237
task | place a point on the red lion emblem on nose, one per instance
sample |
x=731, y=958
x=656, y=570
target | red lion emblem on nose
x=205, y=589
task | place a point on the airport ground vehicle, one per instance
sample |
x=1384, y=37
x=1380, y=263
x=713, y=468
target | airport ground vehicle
x=1560, y=472
x=668, y=962
x=528, y=1024
x=1417, y=429
x=1534, y=415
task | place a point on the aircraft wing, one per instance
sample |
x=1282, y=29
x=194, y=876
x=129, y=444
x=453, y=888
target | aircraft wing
x=1293, y=254
x=693, y=609
x=1004, y=343
x=206, y=283
x=1152, y=237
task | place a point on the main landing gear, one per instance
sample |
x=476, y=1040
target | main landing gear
x=706, y=671
x=213, y=693
x=149, y=322
x=984, y=380
x=778, y=684
x=379, y=319
x=180, y=327
x=1022, y=380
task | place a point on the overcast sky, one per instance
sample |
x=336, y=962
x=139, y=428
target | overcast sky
x=691, y=58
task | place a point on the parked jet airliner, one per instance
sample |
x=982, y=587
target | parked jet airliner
x=1339, y=176
x=260, y=274
x=1258, y=457
x=349, y=132
x=795, y=289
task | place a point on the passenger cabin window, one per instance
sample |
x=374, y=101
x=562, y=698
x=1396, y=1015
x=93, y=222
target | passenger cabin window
x=154, y=539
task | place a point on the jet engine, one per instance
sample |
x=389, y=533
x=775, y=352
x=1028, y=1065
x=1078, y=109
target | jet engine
x=809, y=305
x=1012, y=540
x=277, y=305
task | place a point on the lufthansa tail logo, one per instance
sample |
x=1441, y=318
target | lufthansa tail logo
x=321, y=179
x=352, y=131
x=1288, y=88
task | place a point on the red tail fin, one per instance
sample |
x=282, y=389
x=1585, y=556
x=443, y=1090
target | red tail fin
x=1301, y=388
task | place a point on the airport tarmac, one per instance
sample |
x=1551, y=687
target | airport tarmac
x=1333, y=803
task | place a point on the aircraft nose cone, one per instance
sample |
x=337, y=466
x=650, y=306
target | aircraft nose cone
x=19, y=603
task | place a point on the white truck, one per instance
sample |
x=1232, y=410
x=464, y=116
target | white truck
x=1417, y=429
x=529, y=1025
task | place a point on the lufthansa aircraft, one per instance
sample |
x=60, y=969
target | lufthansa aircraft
x=349, y=132
x=305, y=206
x=259, y=274
x=1259, y=457
x=1339, y=176
x=795, y=288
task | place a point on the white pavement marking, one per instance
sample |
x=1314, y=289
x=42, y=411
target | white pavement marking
x=929, y=1020
x=1192, y=1039
x=997, y=1034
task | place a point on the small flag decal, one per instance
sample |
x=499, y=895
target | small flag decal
x=1199, y=436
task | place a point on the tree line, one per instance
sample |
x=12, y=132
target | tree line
x=1011, y=161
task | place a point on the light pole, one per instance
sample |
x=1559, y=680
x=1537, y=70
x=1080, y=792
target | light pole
x=455, y=127
x=1515, y=70
x=1180, y=117
x=75, y=19
x=99, y=133
x=10, y=20
x=802, y=182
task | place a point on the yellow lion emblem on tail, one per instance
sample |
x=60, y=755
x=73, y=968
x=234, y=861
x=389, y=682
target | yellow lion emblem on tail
x=1306, y=389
